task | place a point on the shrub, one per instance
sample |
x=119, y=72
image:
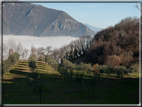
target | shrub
x=118, y=71
x=71, y=73
x=52, y=62
x=109, y=69
x=17, y=56
x=12, y=59
x=7, y=66
x=133, y=69
x=68, y=64
x=124, y=70
x=87, y=67
x=34, y=82
x=96, y=68
x=32, y=62
x=32, y=57
x=103, y=68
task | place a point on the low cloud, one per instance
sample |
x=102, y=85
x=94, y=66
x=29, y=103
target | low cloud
x=28, y=41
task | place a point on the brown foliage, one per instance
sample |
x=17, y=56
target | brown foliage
x=115, y=43
x=113, y=60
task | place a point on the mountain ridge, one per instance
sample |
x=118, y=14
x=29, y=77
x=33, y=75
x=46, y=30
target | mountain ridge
x=37, y=20
x=94, y=29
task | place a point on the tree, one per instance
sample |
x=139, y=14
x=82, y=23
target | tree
x=44, y=52
x=126, y=58
x=25, y=54
x=11, y=44
x=7, y=46
x=55, y=54
x=48, y=49
x=32, y=62
x=41, y=51
x=52, y=62
x=12, y=59
x=19, y=49
x=34, y=81
x=33, y=50
x=113, y=60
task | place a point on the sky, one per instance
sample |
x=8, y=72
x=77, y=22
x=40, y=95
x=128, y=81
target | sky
x=99, y=15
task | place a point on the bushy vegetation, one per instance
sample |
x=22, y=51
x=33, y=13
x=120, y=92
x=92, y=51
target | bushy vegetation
x=118, y=45
x=32, y=62
x=12, y=59
x=120, y=71
x=71, y=71
x=54, y=87
x=52, y=62
x=34, y=82
x=68, y=64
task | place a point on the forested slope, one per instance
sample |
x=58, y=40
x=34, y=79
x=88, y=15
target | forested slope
x=117, y=45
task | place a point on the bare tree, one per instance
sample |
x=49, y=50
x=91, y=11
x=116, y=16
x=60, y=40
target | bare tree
x=5, y=51
x=33, y=50
x=139, y=7
x=11, y=51
x=25, y=54
x=44, y=52
x=19, y=49
x=41, y=51
x=48, y=50
x=55, y=54
x=11, y=44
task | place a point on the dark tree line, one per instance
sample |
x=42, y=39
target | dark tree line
x=73, y=50
x=78, y=48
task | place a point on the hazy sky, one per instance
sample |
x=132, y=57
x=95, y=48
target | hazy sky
x=96, y=14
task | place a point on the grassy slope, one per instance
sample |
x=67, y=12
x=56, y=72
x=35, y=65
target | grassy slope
x=57, y=91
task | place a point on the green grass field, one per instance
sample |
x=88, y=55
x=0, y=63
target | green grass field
x=15, y=88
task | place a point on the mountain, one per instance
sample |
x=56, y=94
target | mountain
x=94, y=29
x=36, y=20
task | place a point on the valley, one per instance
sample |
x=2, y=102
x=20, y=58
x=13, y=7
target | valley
x=48, y=57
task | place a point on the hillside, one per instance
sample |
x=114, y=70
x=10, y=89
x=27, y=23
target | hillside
x=117, y=45
x=16, y=88
x=36, y=20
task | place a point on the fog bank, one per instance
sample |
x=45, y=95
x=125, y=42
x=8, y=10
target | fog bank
x=27, y=41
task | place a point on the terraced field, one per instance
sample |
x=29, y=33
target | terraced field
x=16, y=90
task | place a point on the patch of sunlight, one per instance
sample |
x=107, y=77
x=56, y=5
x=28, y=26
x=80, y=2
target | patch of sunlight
x=7, y=73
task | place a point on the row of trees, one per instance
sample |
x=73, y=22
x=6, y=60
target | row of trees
x=89, y=75
x=11, y=46
x=120, y=71
x=78, y=48
x=51, y=56
x=71, y=51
